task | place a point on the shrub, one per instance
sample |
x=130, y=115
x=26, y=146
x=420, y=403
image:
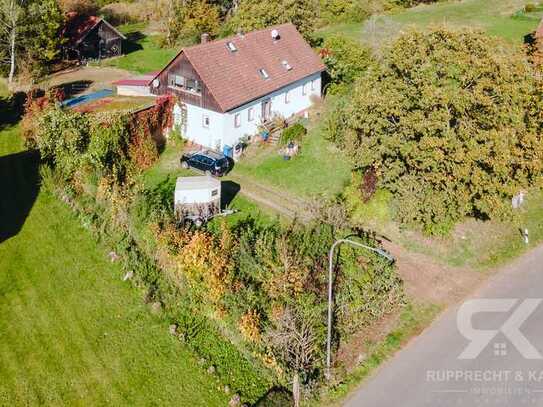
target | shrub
x=294, y=133
x=448, y=124
x=345, y=61
x=62, y=137
x=530, y=8
x=344, y=11
x=375, y=211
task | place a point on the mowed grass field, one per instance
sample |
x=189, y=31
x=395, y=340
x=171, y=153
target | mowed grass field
x=320, y=169
x=71, y=332
x=496, y=17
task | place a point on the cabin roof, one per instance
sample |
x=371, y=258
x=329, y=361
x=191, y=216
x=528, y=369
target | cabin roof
x=79, y=26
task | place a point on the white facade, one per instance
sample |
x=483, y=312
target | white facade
x=215, y=130
x=133, y=90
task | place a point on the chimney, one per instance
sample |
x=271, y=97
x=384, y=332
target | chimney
x=204, y=38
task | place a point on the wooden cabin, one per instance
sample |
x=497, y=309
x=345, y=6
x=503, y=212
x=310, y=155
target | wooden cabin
x=91, y=37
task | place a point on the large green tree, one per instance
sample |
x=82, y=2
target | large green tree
x=345, y=59
x=450, y=124
x=189, y=19
x=44, y=21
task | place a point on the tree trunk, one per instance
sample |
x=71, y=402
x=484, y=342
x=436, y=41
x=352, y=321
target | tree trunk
x=296, y=389
x=12, y=55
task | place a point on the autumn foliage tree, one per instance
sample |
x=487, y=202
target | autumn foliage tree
x=450, y=124
x=253, y=15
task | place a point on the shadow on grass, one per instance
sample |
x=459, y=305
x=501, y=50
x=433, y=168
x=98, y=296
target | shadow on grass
x=19, y=186
x=75, y=87
x=131, y=44
x=229, y=190
x=11, y=109
x=275, y=397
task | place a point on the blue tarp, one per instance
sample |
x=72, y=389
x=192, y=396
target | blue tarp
x=79, y=100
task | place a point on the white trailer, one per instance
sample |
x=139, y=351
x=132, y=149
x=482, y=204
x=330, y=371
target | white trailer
x=197, y=199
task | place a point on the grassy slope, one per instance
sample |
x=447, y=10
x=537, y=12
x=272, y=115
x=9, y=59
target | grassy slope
x=143, y=53
x=71, y=331
x=495, y=17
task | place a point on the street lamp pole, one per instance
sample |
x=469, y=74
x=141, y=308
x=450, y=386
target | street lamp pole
x=330, y=278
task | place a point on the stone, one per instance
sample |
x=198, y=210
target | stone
x=156, y=307
x=173, y=329
x=202, y=361
x=235, y=401
x=128, y=275
x=226, y=389
x=211, y=369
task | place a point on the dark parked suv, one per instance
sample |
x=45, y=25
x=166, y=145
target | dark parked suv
x=207, y=162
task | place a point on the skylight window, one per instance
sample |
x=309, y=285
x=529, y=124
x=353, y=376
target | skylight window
x=286, y=65
x=231, y=46
x=263, y=73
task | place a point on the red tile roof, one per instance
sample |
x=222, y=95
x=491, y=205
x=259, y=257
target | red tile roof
x=143, y=80
x=233, y=77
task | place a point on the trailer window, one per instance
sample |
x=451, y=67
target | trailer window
x=215, y=192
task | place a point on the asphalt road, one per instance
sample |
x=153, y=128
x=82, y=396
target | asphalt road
x=508, y=371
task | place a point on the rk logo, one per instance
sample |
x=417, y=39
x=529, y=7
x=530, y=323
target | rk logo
x=480, y=339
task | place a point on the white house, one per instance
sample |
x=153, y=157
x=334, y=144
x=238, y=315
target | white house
x=230, y=86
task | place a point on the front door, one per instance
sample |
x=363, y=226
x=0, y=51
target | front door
x=266, y=109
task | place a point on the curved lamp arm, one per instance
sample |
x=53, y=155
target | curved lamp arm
x=330, y=278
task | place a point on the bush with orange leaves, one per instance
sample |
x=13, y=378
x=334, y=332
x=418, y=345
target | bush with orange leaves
x=249, y=326
x=206, y=264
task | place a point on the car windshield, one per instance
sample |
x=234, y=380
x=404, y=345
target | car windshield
x=221, y=163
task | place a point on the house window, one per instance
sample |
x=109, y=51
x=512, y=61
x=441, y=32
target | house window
x=251, y=114
x=314, y=84
x=180, y=82
x=237, y=120
x=304, y=88
x=193, y=85
x=287, y=96
x=263, y=74
x=286, y=65
x=176, y=81
x=205, y=121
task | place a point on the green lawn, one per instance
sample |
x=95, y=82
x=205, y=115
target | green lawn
x=496, y=17
x=319, y=169
x=483, y=245
x=142, y=52
x=168, y=168
x=71, y=332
